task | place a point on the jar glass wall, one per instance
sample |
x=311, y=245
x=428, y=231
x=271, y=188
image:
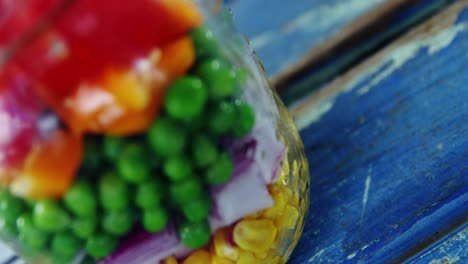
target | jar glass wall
x=143, y=132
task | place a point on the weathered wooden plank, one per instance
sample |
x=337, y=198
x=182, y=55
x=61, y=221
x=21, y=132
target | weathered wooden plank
x=452, y=249
x=284, y=32
x=387, y=145
x=368, y=37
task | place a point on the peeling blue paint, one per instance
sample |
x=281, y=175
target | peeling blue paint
x=412, y=128
x=289, y=30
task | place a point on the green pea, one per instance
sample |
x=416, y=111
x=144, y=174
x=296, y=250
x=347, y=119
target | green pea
x=118, y=222
x=178, y=168
x=150, y=194
x=61, y=260
x=24, y=221
x=222, y=117
x=10, y=207
x=194, y=234
x=220, y=79
x=220, y=171
x=100, y=245
x=204, y=42
x=185, y=191
x=32, y=239
x=29, y=234
x=245, y=119
x=185, y=98
x=155, y=219
x=166, y=137
x=134, y=164
x=112, y=146
x=198, y=209
x=81, y=199
x=65, y=245
x=91, y=157
x=84, y=227
x=204, y=151
x=113, y=192
x=49, y=216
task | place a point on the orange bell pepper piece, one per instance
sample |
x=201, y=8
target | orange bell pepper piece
x=50, y=167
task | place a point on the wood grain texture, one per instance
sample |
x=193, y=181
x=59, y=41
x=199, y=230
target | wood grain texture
x=387, y=145
x=318, y=71
x=348, y=31
x=284, y=32
x=450, y=250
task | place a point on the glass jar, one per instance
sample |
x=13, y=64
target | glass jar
x=142, y=132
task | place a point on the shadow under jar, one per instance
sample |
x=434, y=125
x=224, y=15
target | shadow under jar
x=142, y=132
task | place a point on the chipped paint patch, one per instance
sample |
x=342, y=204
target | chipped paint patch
x=351, y=256
x=370, y=244
x=399, y=56
x=262, y=40
x=313, y=114
x=318, y=19
x=462, y=236
x=318, y=254
x=326, y=16
x=445, y=260
x=366, y=193
x=448, y=252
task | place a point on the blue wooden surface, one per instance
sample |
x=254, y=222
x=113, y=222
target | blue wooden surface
x=387, y=145
x=281, y=32
x=452, y=249
x=338, y=62
x=276, y=22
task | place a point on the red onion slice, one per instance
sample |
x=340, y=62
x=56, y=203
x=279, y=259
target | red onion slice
x=145, y=248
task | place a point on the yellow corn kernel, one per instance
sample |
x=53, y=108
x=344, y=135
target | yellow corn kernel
x=280, y=197
x=170, y=260
x=288, y=219
x=222, y=245
x=262, y=255
x=255, y=235
x=246, y=257
x=198, y=257
x=220, y=260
